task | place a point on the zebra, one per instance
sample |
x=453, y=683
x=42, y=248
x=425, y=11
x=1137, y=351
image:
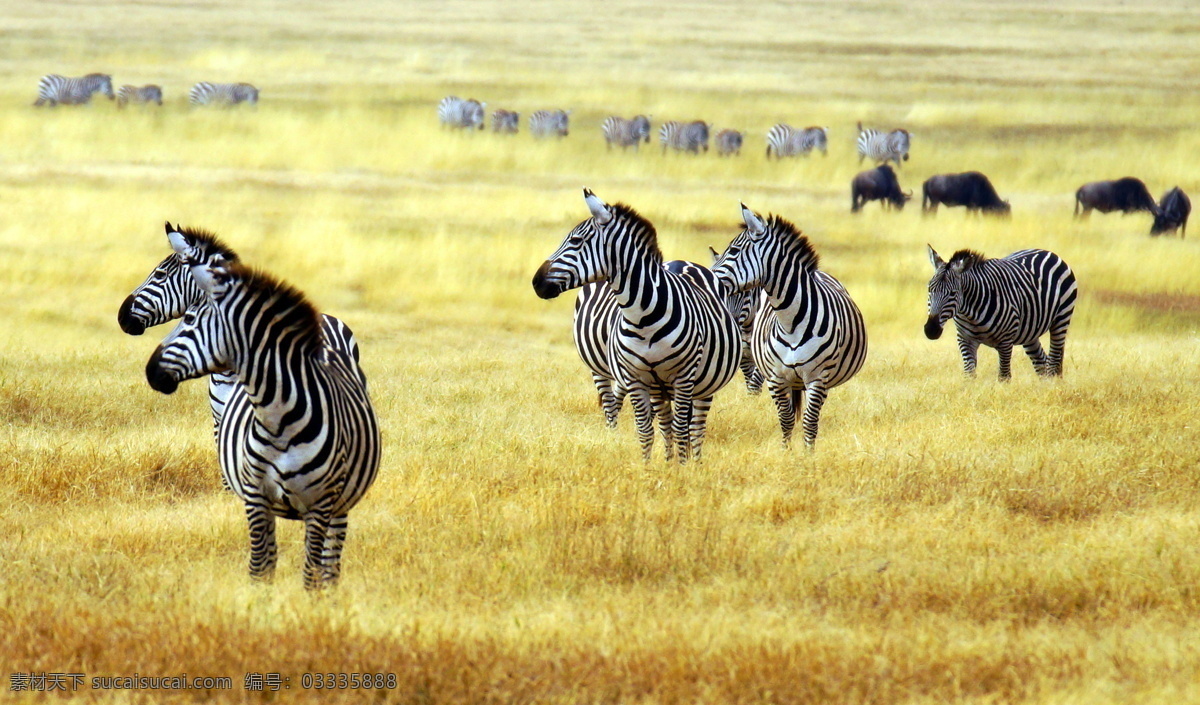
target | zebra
x=626, y=133
x=1003, y=302
x=744, y=307
x=550, y=123
x=810, y=337
x=55, y=89
x=684, y=137
x=728, y=142
x=883, y=146
x=302, y=442
x=169, y=291
x=675, y=344
x=506, y=121
x=133, y=94
x=454, y=112
x=205, y=93
x=786, y=141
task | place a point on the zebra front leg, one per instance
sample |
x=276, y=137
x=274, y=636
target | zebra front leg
x=316, y=534
x=816, y=393
x=682, y=419
x=699, y=425
x=661, y=406
x=643, y=417
x=335, y=540
x=787, y=412
x=1005, y=353
x=263, y=550
x=607, y=400
x=1038, y=357
x=969, y=349
x=754, y=378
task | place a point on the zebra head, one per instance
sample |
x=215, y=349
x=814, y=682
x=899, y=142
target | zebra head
x=765, y=250
x=170, y=290
x=742, y=305
x=101, y=82
x=580, y=258
x=944, y=290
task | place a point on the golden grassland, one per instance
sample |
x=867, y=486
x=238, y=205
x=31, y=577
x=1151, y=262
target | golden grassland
x=948, y=540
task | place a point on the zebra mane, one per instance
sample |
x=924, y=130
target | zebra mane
x=208, y=242
x=642, y=226
x=966, y=259
x=795, y=241
x=302, y=315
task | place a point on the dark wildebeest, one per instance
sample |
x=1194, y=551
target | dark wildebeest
x=878, y=184
x=1173, y=212
x=1128, y=195
x=971, y=189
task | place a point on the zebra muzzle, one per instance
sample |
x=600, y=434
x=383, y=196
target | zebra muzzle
x=542, y=285
x=128, y=322
x=160, y=380
x=933, y=329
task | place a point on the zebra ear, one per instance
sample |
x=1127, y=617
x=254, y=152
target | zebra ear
x=213, y=277
x=934, y=259
x=715, y=255
x=599, y=210
x=754, y=223
x=181, y=243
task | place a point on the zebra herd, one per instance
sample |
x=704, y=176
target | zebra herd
x=670, y=335
x=54, y=90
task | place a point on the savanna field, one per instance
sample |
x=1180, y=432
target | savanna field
x=947, y=540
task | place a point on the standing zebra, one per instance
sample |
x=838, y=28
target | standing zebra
x=744, y=307
x=786, y=141
x=506, y=121
x=674, y=345
x=133, y=94
x=728, y=142
x=170, y=291
x=226, y=94
x=883, y=146
x=457, y=113
x=811, y=337
x=55, y=89
x=626, y=133
x=550, y=123
x=684, y=137
x=303, y=442
x=1003, y=302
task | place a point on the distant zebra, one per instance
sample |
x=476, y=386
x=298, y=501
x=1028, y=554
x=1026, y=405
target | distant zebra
x=684, y=137
x=506, y=121
x=810, y=337
x=1003, y=302
x=674, y=345
x=226, y=94
x=133, y=94
x=550, y=123
x=728, y=142
x=626, y=133
x=456, y=113
x=169, y=292
x=786, y=141
x=883, y=146
x=303, y=442
x=55, y=89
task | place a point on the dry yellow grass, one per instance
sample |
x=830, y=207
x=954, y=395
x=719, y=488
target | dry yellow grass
x=948, y=540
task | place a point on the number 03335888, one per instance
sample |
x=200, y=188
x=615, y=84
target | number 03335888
x=348, y=681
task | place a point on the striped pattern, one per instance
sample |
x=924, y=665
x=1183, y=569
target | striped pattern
x=883, y=146
x=223, y=94
x=139, y=94
x=674, y=345
x=506, y=122
x=1014, y=300
x=550, y=123
x=626, y=133
x=786, y=141
x=728, y=142
x=810, y=337
x=456, y=113
x=684, y=136
x=303, y=442
x=54, y=89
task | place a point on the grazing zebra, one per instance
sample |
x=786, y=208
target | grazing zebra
x=786, y=141
x=55, y=89
x=550, y=123
x=506, y=121
x=169, y=292
x=302, y=442
x=133, y=94
x=626, y=133
x=674, y=345
x=684, y=137
x=454, y=112
x=1003, y=302
x=205, y=93
x=728, y=142
x=883, y=146
x=811, y=336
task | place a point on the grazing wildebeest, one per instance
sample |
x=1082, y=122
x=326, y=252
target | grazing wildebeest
x=1173, y=212
x=971, y=189
x=878, y=184
x=1128, y=195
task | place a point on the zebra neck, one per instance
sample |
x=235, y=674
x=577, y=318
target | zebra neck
x=790, y=294
x=279, y=383
x=636, y=281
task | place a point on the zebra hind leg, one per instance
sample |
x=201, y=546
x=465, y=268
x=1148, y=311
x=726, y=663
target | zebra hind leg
x=1005, y=353
x=816, y=393
x=1037, y=356
x=316, y=535
x=699, y=425
x=661, y=406
x=682, y=419
x=643, y=417
x=1058, y=345
x=787, y=412
x=263, y=550
x=331, y=556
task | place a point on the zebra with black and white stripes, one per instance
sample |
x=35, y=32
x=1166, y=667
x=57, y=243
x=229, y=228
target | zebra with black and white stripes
x=55, y=89
x=674, y=345
x=783, y=140
x=684, y=136
x=506, y=122
x=223, y=94
x=302, y=442
x=883, y=146
x=810, y=337
x=454, y=112
x=626, y=133
x=744, y=307
x=143, y=95
x=1013, y=300
x=550, y=123
x=728, y=142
